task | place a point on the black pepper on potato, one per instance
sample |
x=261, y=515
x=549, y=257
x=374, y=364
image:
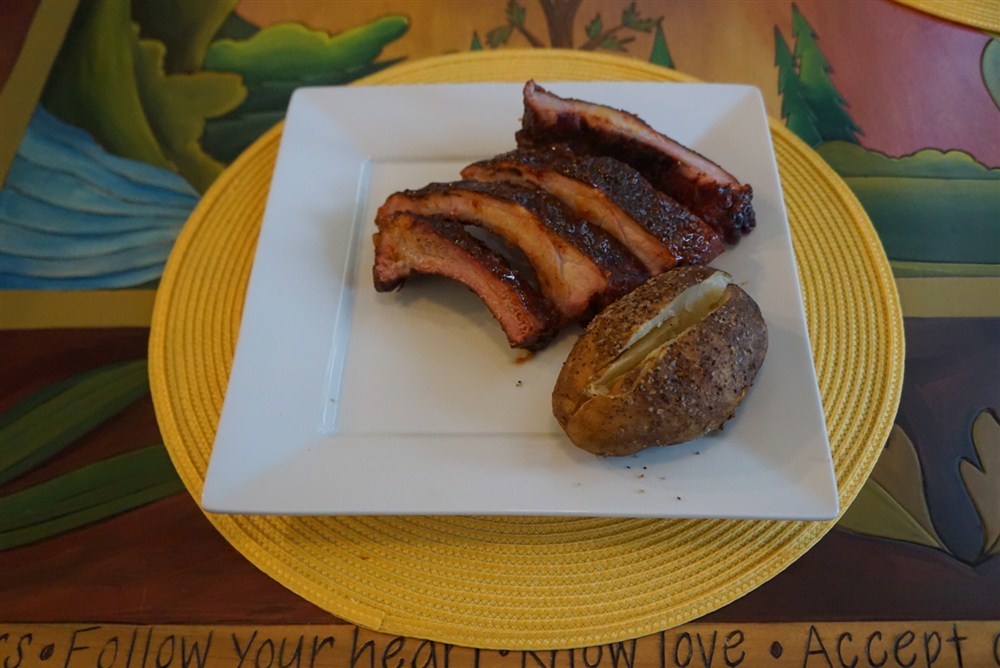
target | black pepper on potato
x=669, y=362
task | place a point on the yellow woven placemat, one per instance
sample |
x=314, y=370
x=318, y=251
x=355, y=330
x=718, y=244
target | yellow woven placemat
x=982, y=14
x=528, y=582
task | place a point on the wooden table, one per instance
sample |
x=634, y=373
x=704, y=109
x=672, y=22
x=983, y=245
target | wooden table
x=909, y=577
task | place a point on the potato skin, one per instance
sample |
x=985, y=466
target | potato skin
x=681, y=391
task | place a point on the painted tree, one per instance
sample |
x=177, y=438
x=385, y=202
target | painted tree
x=660, y=54
x=825, y=101
x=560, y=17
x=794, y=109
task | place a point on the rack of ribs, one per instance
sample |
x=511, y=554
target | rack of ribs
x=661, y=233
x=406, y=244
x=578, y=267
x=590, y=205
x=696, y=182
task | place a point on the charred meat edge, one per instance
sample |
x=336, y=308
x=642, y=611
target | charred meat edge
x=660, y=232
x=406, y=244
x=578, y=266
x=689, y=177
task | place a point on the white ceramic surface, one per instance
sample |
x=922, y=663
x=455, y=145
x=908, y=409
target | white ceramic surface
x=347, y=401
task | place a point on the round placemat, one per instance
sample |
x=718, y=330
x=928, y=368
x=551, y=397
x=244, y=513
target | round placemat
x=528, y=582
x=982, y=14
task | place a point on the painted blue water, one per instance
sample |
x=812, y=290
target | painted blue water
x=75, y=217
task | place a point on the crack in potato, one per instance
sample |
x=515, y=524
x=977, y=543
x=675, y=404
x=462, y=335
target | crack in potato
x=689, y=308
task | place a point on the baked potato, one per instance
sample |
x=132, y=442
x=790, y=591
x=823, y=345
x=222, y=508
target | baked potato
x=667, y=363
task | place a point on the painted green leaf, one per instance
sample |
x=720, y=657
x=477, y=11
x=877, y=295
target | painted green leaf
x=613, y=43
x=898, y=472
x=515, y=13
x=177, y=107
x=109, y=83
x=982, y=480
x=279, y=59
x=290, y=51
x=45, y=423
x=594, y=27
x=892, y=503
x=498, y=36
x=875, y=513
x=632, y=20
x=186, y=28
x=629, y=15
x=92, y=83
x=476, y=45
x=87, y=495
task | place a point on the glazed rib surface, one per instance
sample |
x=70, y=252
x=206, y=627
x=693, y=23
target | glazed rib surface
x=698, y=183
x=656, y=229
x=578, y=266
x=407, y=245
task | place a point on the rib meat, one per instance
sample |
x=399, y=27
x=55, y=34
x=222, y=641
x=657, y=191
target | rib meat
x=701, y=185
x=579, y=267
x=406, y=244
x=654, y=227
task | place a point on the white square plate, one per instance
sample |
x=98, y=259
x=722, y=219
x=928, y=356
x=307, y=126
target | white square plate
x=347, y=401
